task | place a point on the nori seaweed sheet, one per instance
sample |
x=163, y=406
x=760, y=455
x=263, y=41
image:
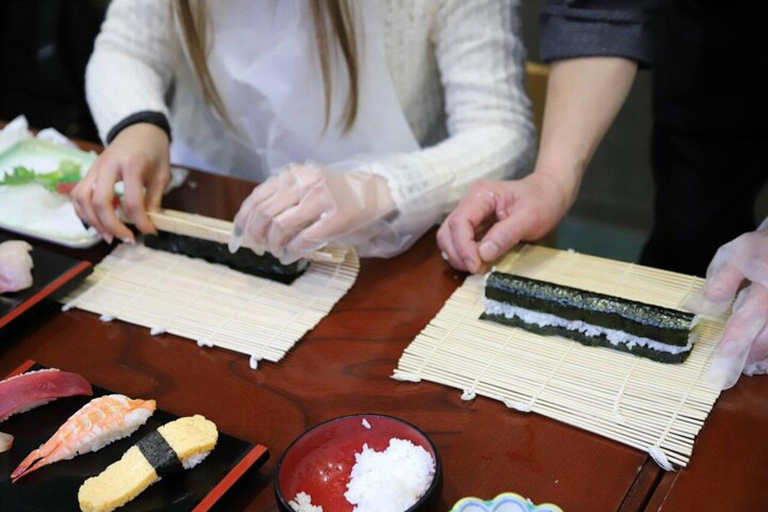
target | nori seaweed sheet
x=665, y=325
x=244, y=260
x=590, y=341
x=159, y=454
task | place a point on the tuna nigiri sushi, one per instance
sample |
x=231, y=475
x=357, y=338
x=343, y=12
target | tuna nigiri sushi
x=15, y=266
x=101, y=421
x=33, y=389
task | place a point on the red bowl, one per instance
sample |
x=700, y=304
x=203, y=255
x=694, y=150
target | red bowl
x=320, y=460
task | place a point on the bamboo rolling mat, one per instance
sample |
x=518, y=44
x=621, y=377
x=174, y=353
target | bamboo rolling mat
x=655, y=407
x=212, y=304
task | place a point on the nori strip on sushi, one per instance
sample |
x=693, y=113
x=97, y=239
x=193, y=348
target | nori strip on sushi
x=244, y=260
x=159, y=454
x=668, y=326
x=590, y=341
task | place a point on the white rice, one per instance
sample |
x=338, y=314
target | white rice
x=366, y=424
x=194, y=460
x=392, y=480
x=302, y=502
x=615, y=337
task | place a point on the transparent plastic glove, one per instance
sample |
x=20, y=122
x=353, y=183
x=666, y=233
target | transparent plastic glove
x=744, y=345
x=309, y=206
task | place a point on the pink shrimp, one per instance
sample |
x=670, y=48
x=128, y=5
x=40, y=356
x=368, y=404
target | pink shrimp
x=98, y=423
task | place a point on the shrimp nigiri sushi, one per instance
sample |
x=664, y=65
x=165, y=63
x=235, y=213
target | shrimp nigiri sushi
x=15, y=266
x=101, y=421
x=32, y=389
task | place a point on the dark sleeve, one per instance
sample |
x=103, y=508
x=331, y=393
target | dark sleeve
x=156, y=118
x=588, y=28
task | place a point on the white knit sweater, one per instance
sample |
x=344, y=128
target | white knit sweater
x=457, y=67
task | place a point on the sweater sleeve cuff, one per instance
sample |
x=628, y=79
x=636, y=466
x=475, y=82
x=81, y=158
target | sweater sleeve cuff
x=156, y=118
x=564, y=37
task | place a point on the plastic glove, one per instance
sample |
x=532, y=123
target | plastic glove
x=501, y=214
x=744, y=345
x=307, y=207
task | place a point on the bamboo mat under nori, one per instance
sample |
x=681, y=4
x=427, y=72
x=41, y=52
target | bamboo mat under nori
x=651, y=406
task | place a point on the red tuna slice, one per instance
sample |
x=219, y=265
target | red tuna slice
x=29, y=390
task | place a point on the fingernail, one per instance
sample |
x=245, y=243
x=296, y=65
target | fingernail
x=129, y=241
x=234, y=243
x=471, y=264
x=108, y=238
x=489, y=250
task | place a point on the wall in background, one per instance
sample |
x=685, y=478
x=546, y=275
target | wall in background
x=44, y=48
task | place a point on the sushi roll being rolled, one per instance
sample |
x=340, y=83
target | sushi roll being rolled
x=178, y=445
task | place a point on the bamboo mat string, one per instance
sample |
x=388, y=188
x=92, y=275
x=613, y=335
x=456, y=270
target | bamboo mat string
x=656, y=451
x=688, y=293
x=621, y=279
x=236, y=311
x=416, y=376
x=85, y=293
x=154, y=331
x=552, y=373
x=469, y=393
x=437, y=345
x=264, y=346
x=146, y=288
x=617, y=401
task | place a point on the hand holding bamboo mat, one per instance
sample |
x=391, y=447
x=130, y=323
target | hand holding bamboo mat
x=216, y=230
x=651, y=406
x=210, y=303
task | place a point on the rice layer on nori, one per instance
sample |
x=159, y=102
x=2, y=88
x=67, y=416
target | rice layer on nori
x=590, y=318
x=244, y=260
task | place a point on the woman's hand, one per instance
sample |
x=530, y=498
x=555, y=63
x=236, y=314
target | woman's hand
x=307, y=207
x=496, y=215
x=744, y=344
x=139, y=157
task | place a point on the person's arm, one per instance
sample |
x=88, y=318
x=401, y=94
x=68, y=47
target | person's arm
x=481, y=60
x=583, y=98
x=126, y=80
x=596, y=46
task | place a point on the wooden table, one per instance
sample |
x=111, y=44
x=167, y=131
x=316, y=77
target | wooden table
x=343, y=367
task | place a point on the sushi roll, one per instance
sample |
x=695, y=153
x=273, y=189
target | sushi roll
x=98, y=423
x=23, y=392
x=176, y=446
x=594, y=319
x=244, y=260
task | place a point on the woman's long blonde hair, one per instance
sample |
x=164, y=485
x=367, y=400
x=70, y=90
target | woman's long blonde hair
x=334, y=24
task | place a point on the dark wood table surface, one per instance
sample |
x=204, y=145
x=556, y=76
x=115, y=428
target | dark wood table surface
x=343, y=367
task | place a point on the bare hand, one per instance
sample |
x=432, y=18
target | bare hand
x=139, y=157
x=500, y=214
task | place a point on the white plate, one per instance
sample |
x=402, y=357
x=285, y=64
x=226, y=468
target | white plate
x=34, y=211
